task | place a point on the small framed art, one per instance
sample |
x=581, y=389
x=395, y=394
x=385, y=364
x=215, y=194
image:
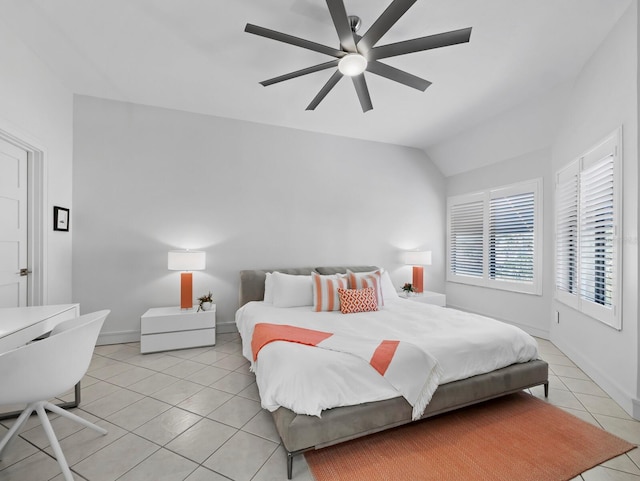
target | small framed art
x=60, y=219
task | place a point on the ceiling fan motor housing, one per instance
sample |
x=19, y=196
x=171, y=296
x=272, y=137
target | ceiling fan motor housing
x=358, y=54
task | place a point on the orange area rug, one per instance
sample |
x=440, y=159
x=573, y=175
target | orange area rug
x=514, y=438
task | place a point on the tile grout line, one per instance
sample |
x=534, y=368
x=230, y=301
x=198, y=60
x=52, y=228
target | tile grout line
x=239, y=370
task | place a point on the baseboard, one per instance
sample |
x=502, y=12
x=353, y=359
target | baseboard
x=636, y=408
x=533, y=331
x=118, y=337
x=226, y=327
x=626, y=401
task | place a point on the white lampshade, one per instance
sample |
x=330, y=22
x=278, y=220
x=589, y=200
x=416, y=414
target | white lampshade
x=352, y=64
x=187, y=260
x=417, y=258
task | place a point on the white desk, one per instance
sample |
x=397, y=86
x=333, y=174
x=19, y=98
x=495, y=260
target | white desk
x=19, y=325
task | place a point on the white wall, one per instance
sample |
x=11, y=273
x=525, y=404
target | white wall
x=528, y=311
x=603, y=98
x=147, y=180
x=35, y=107
x=528, y=127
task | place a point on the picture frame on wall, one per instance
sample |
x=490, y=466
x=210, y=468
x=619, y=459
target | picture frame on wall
x=60, y=219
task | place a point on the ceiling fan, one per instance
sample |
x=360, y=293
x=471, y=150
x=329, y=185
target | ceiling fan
x=358, y=54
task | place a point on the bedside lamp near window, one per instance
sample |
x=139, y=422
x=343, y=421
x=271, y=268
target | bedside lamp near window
x=186, y=261
x=418, y=259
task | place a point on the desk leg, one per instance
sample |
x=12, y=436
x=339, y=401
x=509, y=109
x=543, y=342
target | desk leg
x=63, y=405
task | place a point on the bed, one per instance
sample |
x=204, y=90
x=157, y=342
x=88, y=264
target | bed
x=357, y=410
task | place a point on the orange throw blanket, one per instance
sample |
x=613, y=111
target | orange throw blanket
x=413, y=372
x=265, y=333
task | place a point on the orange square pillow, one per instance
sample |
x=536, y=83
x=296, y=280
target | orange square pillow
x=357, y=300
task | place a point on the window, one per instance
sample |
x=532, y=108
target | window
x=494, y=238
x=466, y=238
x=511, y=237
x=587, y=221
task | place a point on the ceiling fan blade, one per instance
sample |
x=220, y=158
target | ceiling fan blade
x=290, y=39
x=384, y=22
x=341, y=22
x=335, y=78
x=363, y=92
x=397, y=75
x=419, y=44
x=299, y=73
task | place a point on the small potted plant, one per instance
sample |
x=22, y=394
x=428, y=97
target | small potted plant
x=205, y=302
x=408, y=289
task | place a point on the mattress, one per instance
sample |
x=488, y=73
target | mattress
x=308, y=380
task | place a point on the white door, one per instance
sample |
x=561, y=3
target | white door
x=13, y=225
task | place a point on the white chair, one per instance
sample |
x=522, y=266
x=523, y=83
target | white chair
x=44, y=369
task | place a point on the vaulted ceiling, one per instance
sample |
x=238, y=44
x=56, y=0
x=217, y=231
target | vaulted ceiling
x=194, y=55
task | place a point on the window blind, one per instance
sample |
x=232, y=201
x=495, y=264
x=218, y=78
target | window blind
x=511, y=237
x=466, y=239
x=588, y=218
x=567, y=233
x=597, y=232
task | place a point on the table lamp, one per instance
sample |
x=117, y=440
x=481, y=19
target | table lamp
x=417, y=259
x=186, y=261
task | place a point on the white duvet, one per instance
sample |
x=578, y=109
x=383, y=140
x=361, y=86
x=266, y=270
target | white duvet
x=308, y=380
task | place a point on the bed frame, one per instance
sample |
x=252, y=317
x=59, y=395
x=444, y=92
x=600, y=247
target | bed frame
x=300, y=433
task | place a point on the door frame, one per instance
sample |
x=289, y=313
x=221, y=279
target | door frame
x=36, y=213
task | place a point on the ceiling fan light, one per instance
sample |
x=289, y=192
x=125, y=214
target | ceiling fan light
x=352, y=64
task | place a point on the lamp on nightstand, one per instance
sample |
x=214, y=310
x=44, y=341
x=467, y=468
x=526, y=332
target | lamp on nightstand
x=418, y=259
x=186, y=261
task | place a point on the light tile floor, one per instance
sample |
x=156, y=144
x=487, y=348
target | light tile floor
x=194, y=415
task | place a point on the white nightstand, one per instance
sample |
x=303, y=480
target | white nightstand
x=427, y=297
x=166, y=328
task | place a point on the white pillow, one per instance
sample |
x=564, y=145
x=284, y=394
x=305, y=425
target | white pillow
x=389, y=292
x=291, y=291
x=268, y=289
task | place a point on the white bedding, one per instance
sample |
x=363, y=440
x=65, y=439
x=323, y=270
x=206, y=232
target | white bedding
x=308, y=380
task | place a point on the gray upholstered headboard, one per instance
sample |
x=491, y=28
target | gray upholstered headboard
x=252, y=281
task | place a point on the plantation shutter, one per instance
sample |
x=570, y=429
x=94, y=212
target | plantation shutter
x=597, y=232
x=466, y=239
x=588, y=219
x=567, y=231
x=511, y=237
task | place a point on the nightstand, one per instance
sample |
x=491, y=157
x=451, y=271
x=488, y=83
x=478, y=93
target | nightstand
x=167, y=328
x=427, y=297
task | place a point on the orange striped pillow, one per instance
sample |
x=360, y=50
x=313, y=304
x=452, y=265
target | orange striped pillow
x=357, y=300
x=325, y=291
x=360, y=280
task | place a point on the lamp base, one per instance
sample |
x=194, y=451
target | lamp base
x=418, y=277
x=186, y=290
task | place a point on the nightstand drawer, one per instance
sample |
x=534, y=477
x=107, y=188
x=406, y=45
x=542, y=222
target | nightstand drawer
x=177, y=340
x=166, y=328
x=172, y=319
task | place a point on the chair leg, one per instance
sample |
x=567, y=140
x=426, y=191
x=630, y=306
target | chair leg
x=55, y=445
x=74, y=417
x=15, y=429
